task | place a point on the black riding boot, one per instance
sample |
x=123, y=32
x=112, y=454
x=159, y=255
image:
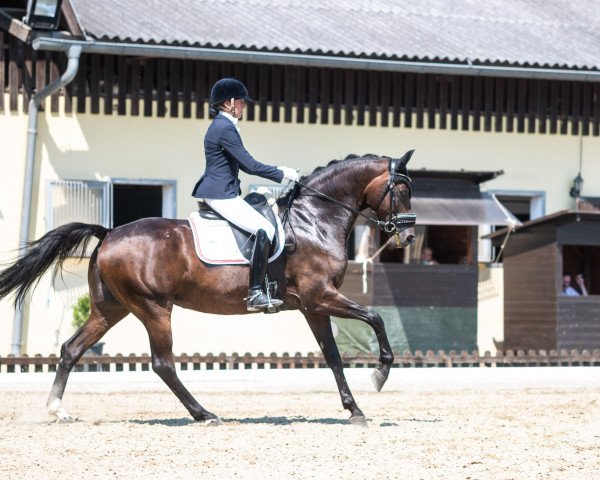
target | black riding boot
x=257, y=298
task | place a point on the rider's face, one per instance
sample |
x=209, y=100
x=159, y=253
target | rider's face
x=236, y=107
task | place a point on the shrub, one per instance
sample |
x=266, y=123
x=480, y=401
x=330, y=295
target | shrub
x=81, y=310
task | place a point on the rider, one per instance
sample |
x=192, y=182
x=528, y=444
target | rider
x=219, y=187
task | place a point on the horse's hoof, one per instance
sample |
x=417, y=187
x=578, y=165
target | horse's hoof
x=59, y=414
x=358, y=421
x=212, y=422
x=378, y=380
x=63, y=417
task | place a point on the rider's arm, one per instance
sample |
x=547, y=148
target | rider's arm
x=231, y=142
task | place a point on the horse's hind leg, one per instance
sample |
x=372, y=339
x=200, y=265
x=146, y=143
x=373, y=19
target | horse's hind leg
x=96, y=326
x=321, y=328
x=158, y=326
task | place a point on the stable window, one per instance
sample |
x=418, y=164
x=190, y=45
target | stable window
x=582, y=260
x=110, y=204
x=448, y=244
x=523, y=205
x=133, y=201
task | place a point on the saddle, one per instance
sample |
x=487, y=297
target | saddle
x=220, y=242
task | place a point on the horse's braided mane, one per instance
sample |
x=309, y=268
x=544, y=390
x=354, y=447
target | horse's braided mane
x=289, y=196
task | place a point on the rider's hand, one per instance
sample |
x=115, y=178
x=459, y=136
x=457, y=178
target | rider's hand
x=290, y=173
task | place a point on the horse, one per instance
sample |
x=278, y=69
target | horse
x=148, y=266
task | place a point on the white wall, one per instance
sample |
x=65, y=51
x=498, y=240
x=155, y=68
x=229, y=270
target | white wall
x=96, y=146
x=13, y=129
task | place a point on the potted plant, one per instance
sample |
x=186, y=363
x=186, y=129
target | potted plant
x=81, y=312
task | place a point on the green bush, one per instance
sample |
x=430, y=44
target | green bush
x=81, y=310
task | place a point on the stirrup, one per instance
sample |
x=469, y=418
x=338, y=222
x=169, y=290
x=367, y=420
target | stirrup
x=259, y=300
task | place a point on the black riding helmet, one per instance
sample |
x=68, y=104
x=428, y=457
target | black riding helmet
x=228, y=88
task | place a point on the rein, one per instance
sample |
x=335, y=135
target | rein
x=343, y=205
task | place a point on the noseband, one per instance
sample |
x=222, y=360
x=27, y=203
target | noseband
x=396, y=222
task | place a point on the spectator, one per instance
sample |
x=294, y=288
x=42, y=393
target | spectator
x=427, y=257
x=569, y=291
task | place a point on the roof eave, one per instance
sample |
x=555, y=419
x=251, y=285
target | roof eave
x=323, y=61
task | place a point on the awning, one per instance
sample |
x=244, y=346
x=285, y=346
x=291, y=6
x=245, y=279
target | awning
x=486, y=210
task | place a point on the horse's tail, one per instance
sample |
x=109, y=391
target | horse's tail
x=57, y=245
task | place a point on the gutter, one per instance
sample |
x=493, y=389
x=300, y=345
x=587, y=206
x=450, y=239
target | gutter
x=73, y=53
x=272, y=58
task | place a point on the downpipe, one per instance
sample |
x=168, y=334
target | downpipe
x=74, y=54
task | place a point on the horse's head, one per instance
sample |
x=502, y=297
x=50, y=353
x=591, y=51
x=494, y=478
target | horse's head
x=389, y=196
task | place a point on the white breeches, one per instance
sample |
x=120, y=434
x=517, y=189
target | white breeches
x=241, y=214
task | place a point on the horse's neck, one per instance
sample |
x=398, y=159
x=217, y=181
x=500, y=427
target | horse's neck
x=349, y=185
x=347, y=188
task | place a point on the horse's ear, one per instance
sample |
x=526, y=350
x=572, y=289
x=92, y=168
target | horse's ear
x=406, y=157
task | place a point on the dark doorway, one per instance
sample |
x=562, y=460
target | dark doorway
x=132, y=202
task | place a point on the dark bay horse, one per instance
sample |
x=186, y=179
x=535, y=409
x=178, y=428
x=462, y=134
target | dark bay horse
x=148, y=266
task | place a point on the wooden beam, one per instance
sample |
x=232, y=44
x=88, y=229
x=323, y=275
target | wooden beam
x=276, y=79
x=385, y=98
x=500, y=103
x=397, y=100
x=54, y=75
x=122, y=84
x=81, y=81
x=443, y=100
x=586, y=108
x=289, y=92
x=71, y=19
x=300, y=93
x=14, y=27
x=136, y=81
x=325, y=94
x=13, y=74
x=349, y=97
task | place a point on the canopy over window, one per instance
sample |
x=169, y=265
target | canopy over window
x=484, y=210
x=445, y=197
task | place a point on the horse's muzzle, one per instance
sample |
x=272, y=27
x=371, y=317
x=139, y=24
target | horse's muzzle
x=402, y=238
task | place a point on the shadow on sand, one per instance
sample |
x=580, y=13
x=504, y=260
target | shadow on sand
x=181, y=422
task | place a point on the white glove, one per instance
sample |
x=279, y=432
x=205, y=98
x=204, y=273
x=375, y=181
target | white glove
x=290, y=173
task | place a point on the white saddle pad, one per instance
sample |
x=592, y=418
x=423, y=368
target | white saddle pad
x=215, y=243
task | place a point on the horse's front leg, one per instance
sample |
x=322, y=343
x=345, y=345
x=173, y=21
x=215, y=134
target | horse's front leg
x=321, y=328
x=332, y=302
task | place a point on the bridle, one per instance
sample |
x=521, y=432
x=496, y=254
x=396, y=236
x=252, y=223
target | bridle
x=396, y=222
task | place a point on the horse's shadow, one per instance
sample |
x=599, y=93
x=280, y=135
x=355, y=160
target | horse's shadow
x=180, y=422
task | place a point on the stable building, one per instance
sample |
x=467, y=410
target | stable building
x=120, y=137
x=537, y=254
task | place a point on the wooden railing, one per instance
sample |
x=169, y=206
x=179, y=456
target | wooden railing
x=209, y=361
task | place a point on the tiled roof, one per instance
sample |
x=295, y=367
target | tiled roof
x=554, y=33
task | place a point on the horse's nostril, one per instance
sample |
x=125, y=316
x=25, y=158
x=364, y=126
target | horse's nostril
x=410, y=239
